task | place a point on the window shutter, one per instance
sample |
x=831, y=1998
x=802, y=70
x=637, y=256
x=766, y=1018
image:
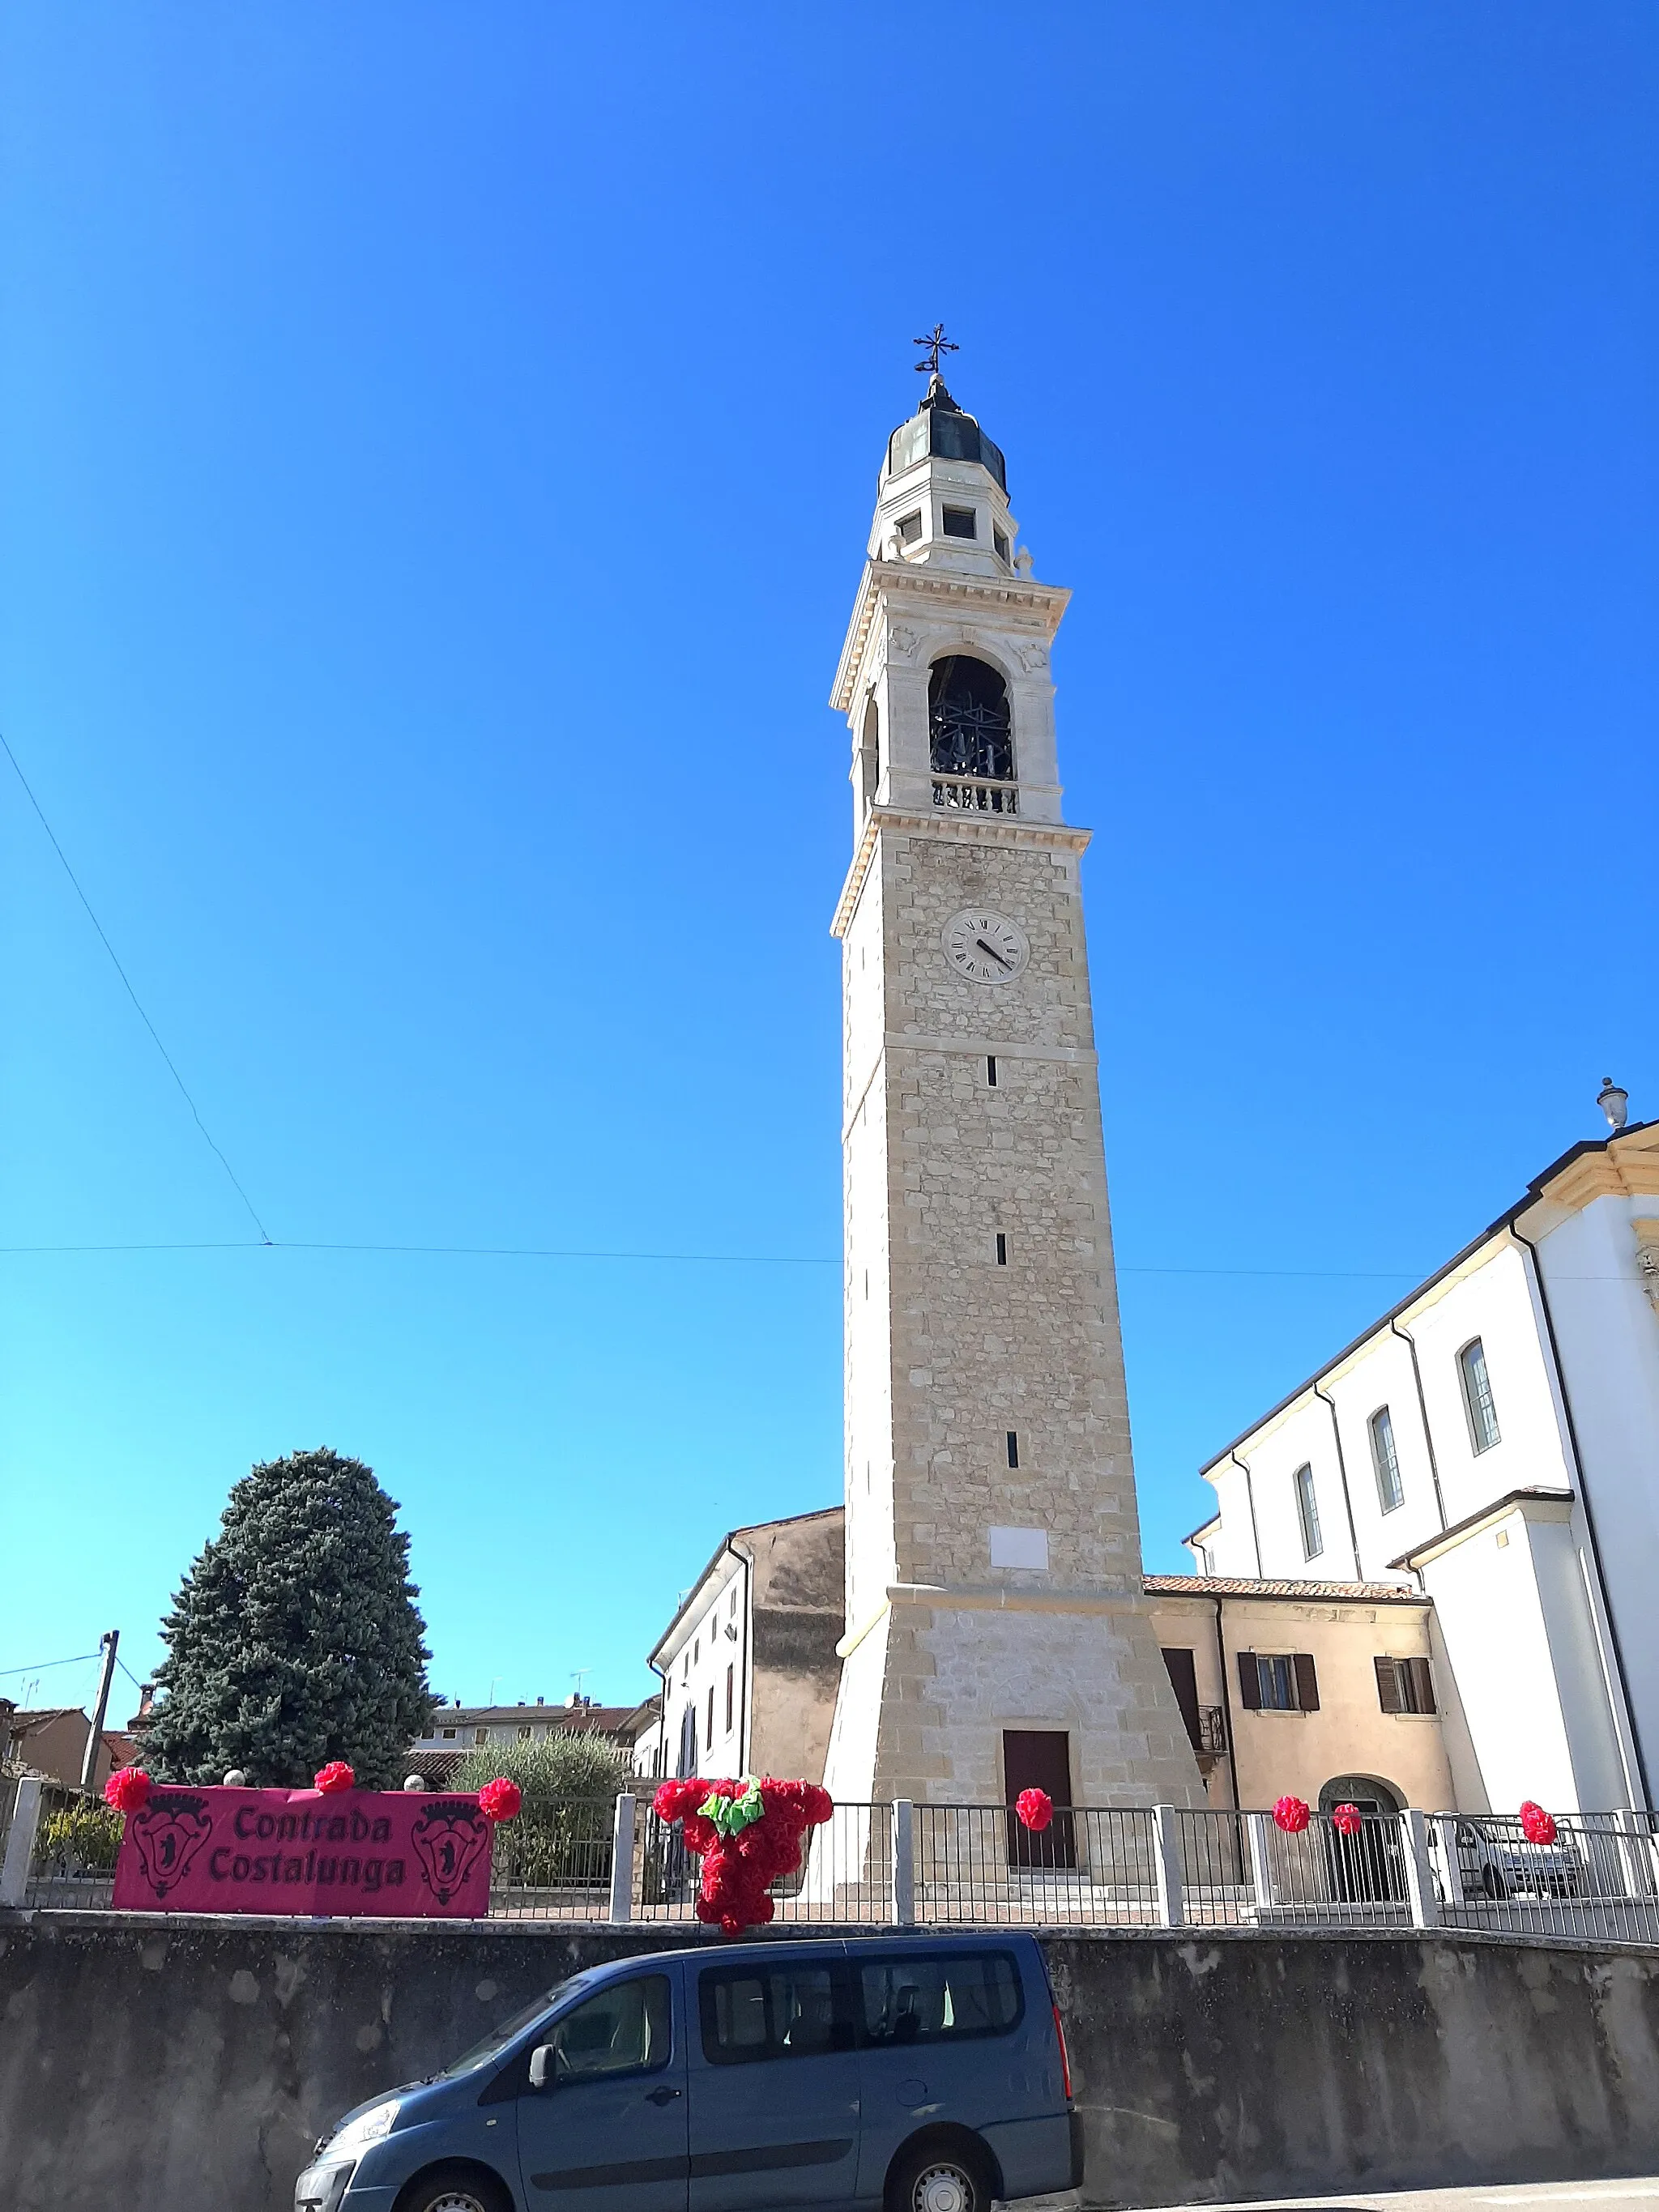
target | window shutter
x=1423, y=1686
x=1388, y=1685
x=1307, y=1682
x=1249, y=1682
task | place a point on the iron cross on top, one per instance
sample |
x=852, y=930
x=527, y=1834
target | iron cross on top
x=936, y=344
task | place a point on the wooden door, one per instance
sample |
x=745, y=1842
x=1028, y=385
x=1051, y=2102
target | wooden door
x=1040, y=1758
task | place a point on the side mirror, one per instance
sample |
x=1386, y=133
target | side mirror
x=541, y=2067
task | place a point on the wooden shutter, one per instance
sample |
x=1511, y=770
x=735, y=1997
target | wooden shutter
x=1422, y=1687
x=1307, y=1682
x=1182, y=1669
x=1388, y=1685
x=1249, y=1682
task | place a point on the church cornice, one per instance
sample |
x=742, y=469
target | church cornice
x=958, y=829
x=927, y=590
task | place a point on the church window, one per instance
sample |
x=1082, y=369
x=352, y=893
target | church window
x=1385, y=1461
x=1307, y=1512
x=1002, y=1248
x=991, y=1070
x=1478, y=1403
x=909, y=529
x=1013, y=1447
x=959, y=522
x=970, y=730
x=1002, y=544
x=870, y=753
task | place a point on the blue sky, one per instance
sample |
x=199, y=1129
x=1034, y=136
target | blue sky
x=437, y=448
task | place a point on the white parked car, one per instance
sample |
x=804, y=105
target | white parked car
x=1495, y=1861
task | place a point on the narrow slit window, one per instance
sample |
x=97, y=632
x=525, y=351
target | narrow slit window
x=1002, y=544
x=991, y=1070
x=729, y=1693
x=1002, y=1249
x=1385, y=1461
x=1307, y=1512
x=1013, y=1447
x=1478, y=1403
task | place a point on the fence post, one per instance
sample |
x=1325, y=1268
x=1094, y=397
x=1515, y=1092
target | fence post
x=1419, y=1869
x=621, y=1859
x=1636, y=1852
x=1261, y=1865
x=1166, y=1868
x=904, y=1862
x=19, y=1842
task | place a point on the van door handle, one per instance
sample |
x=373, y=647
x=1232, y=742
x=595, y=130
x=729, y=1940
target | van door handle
x=663, y=2096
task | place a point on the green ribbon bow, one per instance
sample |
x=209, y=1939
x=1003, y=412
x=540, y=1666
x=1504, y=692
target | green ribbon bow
x=731, y=1815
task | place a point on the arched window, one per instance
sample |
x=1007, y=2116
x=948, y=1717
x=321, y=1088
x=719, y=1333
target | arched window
x=1477, y=1395
x=970, y=732
x=1385, y=1461
x=1307, y=1512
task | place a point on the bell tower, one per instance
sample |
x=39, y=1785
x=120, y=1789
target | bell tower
x=993, y=1573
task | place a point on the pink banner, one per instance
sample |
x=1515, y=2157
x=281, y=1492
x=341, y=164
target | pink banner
x=386, y=1852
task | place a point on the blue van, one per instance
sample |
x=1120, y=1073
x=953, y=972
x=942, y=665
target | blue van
x=922, y=2074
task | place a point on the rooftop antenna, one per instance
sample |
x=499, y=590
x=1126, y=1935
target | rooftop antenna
x=936, y=343
x=1614, y=1102
x=579, y=1675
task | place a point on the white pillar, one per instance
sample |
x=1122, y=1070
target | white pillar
x=1166, y=1868
x=904, y=1862
x=1419, y=1871
x=621, y=1859
x=20, y=1841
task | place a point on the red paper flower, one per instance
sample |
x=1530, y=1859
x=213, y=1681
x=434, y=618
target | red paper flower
x=336, y=1775
x=1537, y=1825
x=1347, y=1821
x=127, y=1789
x=738, y=1869
x=1291, y=1814
x=1036, y=1809
x=500, y=1800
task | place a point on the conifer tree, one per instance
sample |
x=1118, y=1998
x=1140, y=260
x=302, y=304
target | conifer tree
x=294, y=1638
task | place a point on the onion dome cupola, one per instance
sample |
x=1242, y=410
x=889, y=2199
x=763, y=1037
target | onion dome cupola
x=942, y=500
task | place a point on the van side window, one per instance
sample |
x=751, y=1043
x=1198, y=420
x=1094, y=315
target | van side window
x=624, y=2029
x=785, y=2011
x=941, y=2000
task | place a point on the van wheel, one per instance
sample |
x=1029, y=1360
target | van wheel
x=929, y=2177
x=455, y=2189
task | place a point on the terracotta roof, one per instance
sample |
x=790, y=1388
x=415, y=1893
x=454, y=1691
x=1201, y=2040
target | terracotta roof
x=1249, y=1586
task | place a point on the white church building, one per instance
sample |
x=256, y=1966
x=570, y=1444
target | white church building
x=1493, y=1443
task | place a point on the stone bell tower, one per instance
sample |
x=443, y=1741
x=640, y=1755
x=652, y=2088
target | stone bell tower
x=994, y=1607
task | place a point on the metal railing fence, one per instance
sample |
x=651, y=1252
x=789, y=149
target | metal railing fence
x=908, y=1864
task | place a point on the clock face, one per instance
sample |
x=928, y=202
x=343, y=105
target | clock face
x=986, y=948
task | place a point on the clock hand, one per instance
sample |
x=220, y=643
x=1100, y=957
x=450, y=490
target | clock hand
x=994, y=954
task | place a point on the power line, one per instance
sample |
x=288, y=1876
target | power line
x=722, y=1258
x=127, y=985
x=45, y=1666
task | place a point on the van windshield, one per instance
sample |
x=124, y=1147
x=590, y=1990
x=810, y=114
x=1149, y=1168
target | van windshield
x=499, y=2038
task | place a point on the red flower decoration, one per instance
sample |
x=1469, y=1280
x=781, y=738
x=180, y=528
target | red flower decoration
x=1291, y=1814
x=127, y=1789
x=1036, y=1809
x=1347, y=1821
x=737, y=1870
x=336, y=1775
x=1537, y=1825
x=500, y=1800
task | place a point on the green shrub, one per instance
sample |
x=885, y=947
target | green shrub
x=562, y=1835
x=80, y=1840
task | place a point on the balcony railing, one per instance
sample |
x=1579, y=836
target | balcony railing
x=975, y=794
x=1211, y=1737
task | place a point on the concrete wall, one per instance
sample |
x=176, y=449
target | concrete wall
x=188, y=2066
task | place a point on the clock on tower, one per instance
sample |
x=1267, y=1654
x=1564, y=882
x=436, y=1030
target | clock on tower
x=997, y=1630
